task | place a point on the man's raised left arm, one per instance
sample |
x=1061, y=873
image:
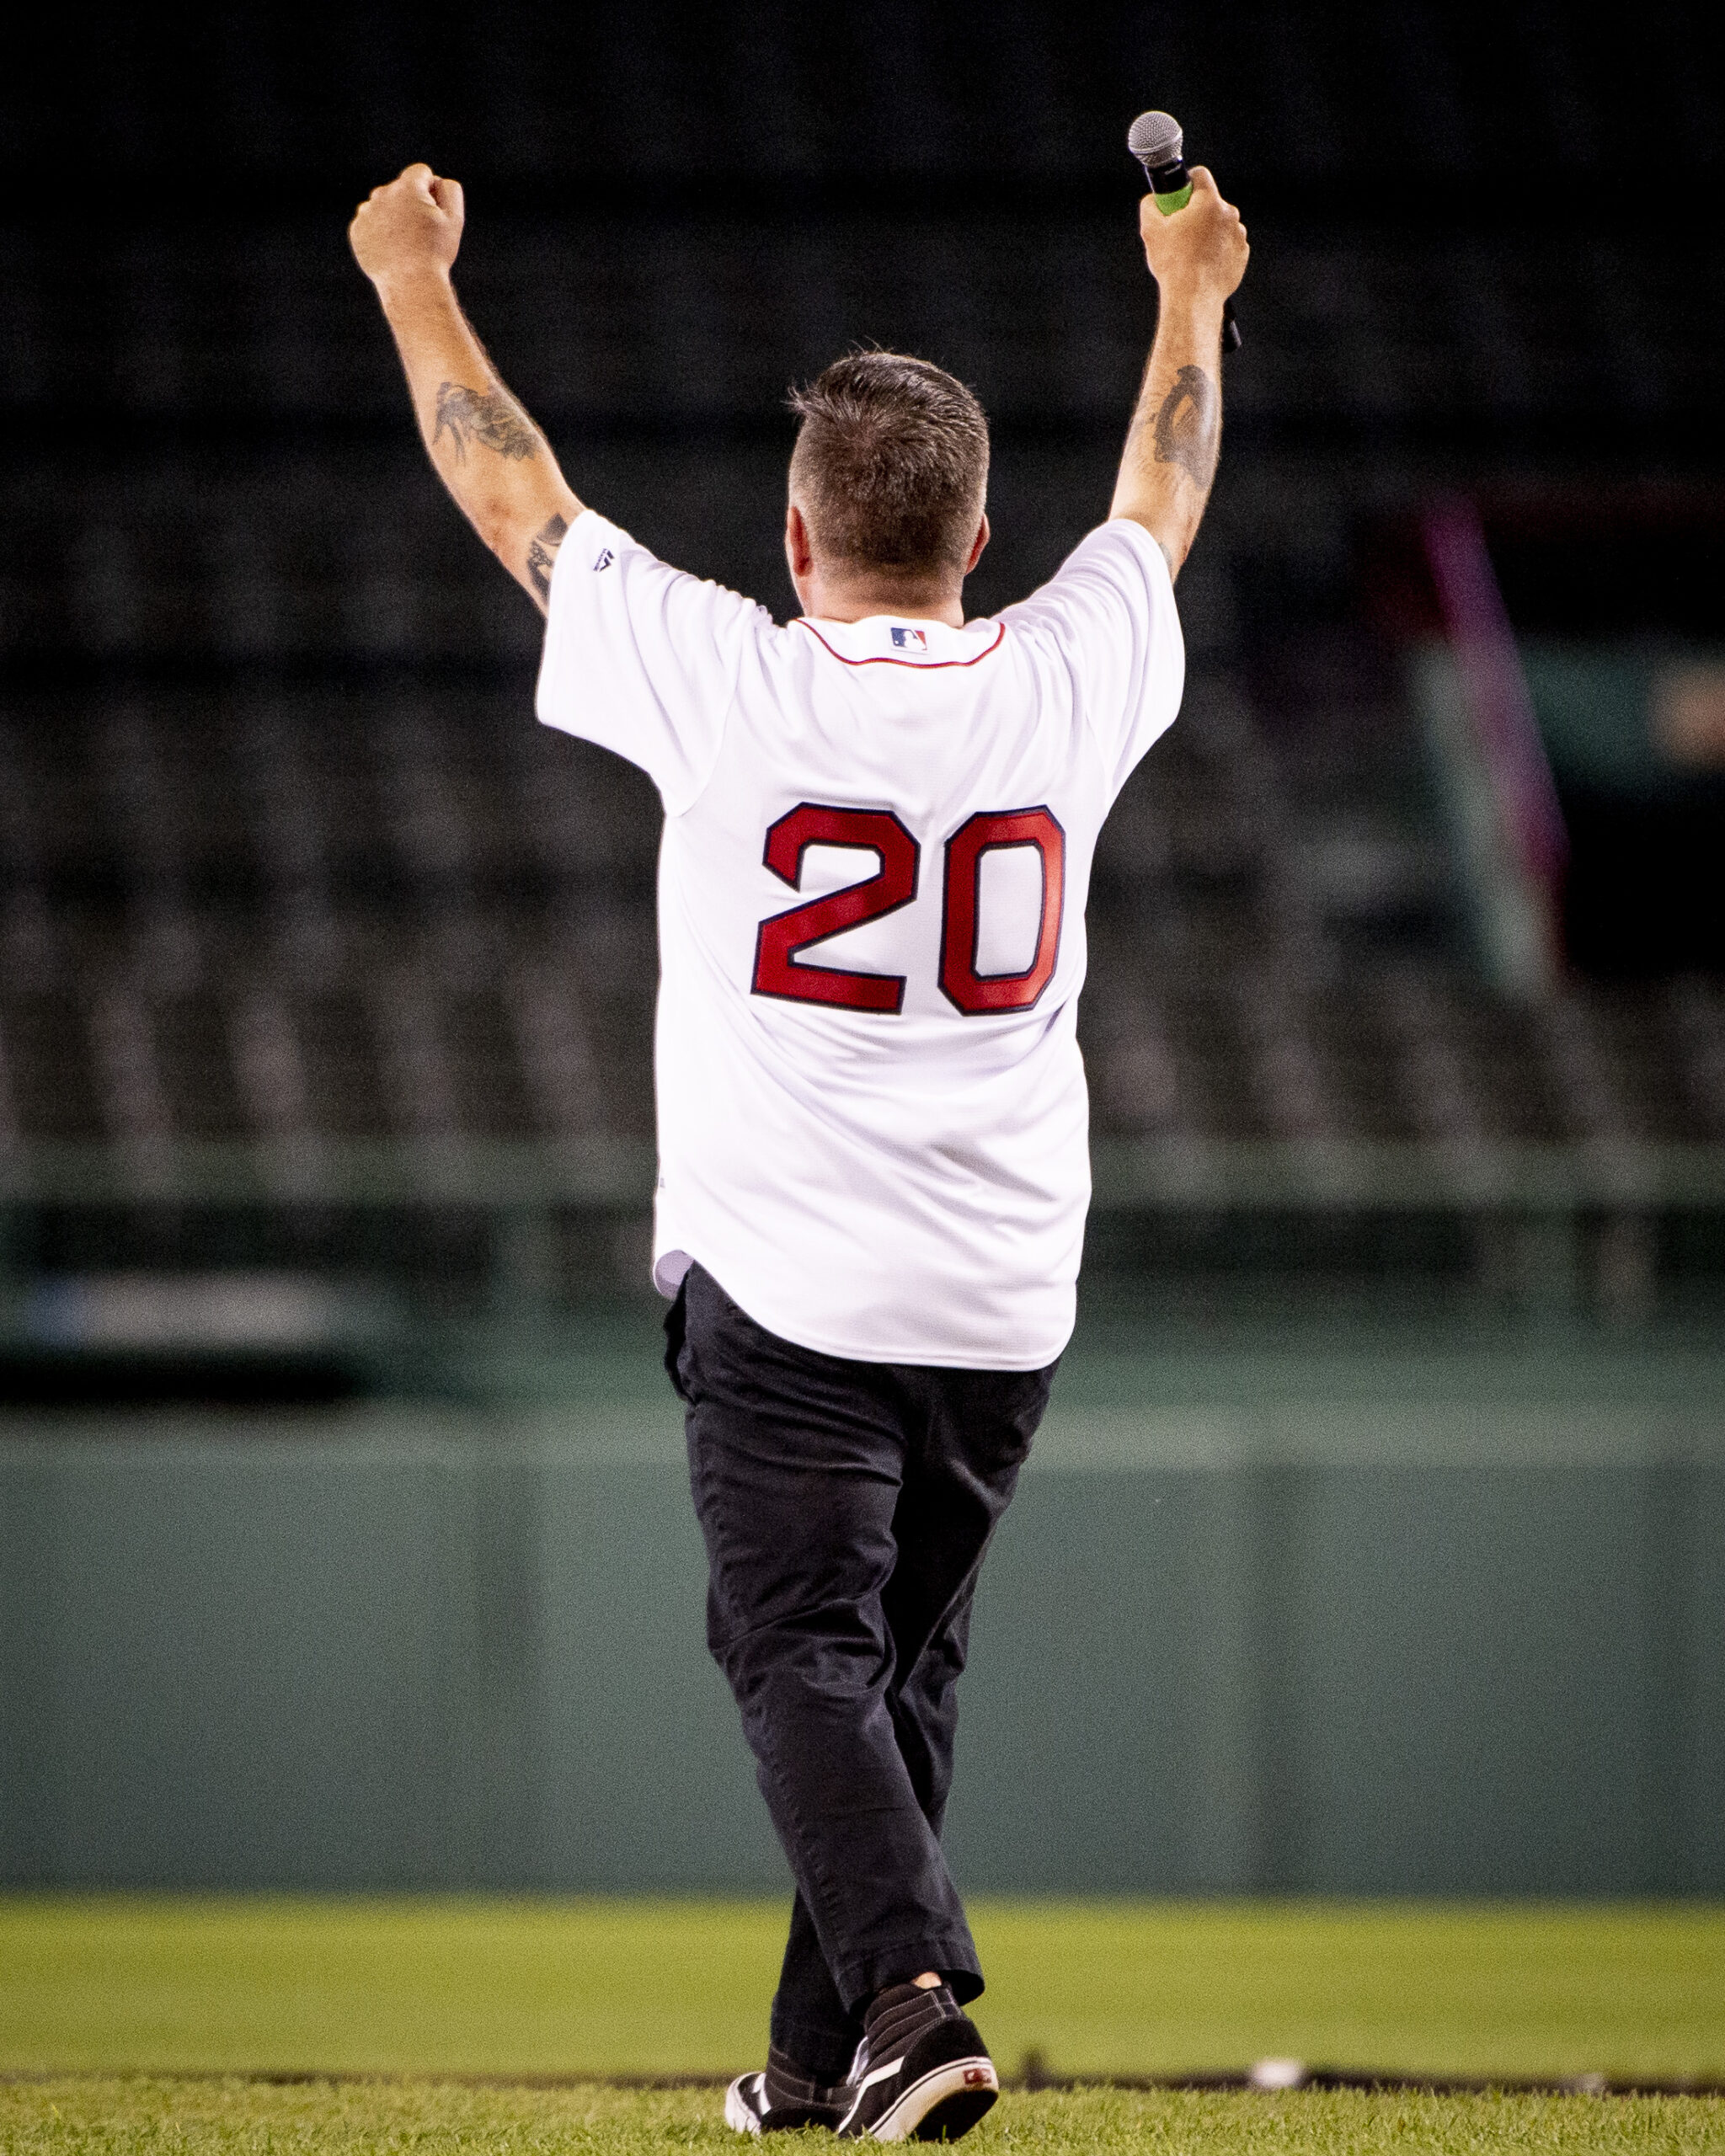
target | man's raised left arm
x=1198, y=257
x=485, y=449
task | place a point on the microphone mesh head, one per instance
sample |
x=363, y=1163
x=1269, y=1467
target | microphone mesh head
x=1155, y=139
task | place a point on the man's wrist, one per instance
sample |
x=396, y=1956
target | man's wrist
x=413, y=285
x=1191, y=296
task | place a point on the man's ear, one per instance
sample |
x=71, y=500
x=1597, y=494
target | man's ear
x=798, y=551
x=982, y=538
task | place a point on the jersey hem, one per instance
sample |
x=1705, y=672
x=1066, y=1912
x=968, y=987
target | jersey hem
x=915, y=1357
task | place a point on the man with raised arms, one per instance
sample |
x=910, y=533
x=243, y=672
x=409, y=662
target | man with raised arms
x=873, y=1123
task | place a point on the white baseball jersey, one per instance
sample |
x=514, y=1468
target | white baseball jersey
x=873, y=1121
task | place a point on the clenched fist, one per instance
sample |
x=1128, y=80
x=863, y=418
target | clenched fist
x=411, y=225
x=1202, y=247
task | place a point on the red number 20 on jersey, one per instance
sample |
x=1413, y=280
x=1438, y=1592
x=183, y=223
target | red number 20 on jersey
x=782, y=936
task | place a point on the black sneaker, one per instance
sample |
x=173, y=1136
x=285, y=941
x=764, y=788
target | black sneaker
x=923, y=2073
x=782, y=2099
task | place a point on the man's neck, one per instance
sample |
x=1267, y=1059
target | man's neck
x=847, y=602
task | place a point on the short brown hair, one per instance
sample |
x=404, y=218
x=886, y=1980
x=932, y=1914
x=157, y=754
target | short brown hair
x=891, y=463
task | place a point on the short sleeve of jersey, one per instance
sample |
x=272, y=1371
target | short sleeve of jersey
x=642, y=658
x=1109, y=612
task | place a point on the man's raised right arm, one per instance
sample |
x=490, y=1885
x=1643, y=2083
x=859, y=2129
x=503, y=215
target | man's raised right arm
x=1198, y=257
x=485, y=449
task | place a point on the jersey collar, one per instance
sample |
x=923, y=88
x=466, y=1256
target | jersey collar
x=901, y=640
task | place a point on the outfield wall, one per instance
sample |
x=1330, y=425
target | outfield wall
x=1329, y=1645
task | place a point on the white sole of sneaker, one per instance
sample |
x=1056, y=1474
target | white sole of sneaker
x=963, y=2088
x=738, y=2116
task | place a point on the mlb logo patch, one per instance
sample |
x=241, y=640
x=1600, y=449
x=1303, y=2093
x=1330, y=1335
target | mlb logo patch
x=911, y=639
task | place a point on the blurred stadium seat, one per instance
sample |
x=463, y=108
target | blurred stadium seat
x=1372, y=1544
x=286, y=868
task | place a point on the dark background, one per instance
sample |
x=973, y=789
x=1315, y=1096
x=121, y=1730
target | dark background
x=284, y=862
x=1374, y=1541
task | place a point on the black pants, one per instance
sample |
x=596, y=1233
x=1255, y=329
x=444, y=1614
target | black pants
x=846, y=1507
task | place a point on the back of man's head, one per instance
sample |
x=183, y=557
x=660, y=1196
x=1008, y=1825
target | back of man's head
x=890, y=466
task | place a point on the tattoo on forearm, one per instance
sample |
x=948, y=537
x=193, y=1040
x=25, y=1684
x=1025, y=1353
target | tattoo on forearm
x=1185, y=426
x=542, y=554
x=490, y=417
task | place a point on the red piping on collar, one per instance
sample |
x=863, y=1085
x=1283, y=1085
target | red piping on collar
x=916, y=666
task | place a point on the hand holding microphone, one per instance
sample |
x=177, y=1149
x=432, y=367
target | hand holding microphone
x=1190, y=231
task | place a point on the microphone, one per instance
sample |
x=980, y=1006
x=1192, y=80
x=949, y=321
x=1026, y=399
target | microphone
x=1157, y=141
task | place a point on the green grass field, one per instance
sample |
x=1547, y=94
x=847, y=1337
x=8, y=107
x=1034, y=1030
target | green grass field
x=154, y=2117
x=124, y=1999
